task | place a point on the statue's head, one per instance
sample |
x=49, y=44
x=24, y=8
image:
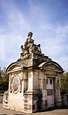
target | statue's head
x=30, y=34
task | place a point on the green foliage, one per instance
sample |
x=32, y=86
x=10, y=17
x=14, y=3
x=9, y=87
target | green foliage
x=3, y=81
x=64, y=82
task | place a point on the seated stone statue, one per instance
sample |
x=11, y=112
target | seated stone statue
x=24, y=53
x=29, y=40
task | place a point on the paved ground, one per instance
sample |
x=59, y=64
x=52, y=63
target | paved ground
x=52, y=112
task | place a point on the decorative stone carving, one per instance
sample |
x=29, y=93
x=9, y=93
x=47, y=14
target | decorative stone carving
x=29, y=40
x=37, y=49
x=30, y=34
x=29, y=48
x=29, y=90
x=15, y=84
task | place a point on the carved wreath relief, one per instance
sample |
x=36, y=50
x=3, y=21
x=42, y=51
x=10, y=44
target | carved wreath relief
x=15, y=84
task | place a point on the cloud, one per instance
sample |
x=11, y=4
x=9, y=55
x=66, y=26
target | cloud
x=13, y=35
x=9, y=48
x=2, y=49
x=51, y=36
x=16, y=19
x=56, y=45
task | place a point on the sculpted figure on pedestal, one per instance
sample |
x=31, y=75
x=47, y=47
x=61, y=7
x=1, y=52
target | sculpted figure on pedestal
x=24, y=53
x=29, y=47
x=29, y=40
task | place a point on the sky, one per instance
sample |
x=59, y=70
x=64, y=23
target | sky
x=47, y=19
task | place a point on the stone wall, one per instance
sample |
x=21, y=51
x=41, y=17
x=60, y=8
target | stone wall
x=64, y=99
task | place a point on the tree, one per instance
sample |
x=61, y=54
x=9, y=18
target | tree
x=64, y=82
x=3, y=80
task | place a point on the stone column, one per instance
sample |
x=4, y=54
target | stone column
x=30, y=81
x=44, y=93
x=57, y=91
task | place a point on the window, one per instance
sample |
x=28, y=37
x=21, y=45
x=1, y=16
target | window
x=50, y=81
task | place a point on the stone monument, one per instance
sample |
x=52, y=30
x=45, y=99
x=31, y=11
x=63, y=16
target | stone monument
x=34, y=80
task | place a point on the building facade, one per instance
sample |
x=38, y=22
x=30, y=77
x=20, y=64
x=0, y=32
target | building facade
x=34, y=80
